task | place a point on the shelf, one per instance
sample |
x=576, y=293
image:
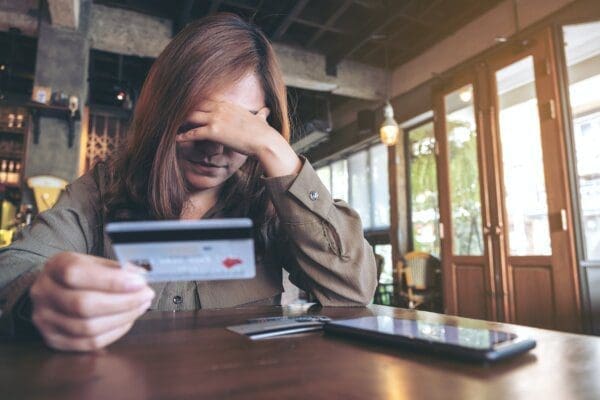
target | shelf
x=11, y=156
x=12, y=133
x=38, y=110
x=10, y=185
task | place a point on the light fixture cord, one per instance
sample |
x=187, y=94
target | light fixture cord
x=387, y=72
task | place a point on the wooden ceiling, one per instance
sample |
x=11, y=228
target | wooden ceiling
x=360, y=30
x=368, y=31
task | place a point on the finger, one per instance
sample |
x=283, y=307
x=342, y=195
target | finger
x=94, y=273
x=201, y=133
x=207, y=105
x=49, y=320
x=264, y=113
x=88, y=304
x=195, y=120
x=68, y=343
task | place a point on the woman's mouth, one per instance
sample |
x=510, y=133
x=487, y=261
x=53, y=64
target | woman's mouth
x=206, y=164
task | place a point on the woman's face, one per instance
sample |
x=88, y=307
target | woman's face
x=207, y=164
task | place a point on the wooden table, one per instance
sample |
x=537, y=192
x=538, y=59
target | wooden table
x=192, y=355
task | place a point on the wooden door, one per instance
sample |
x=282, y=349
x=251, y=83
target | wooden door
x=469, y=289
x=532, y=226
x=508, y=251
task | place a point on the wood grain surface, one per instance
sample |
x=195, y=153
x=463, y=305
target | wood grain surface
x=191, y=355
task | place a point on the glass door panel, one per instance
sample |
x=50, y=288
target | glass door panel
x=339, y=180
x=582, y=50
x=380, y=193
x=424, y=203
x=522, y=162
x=360, y=200
x=465, y=201
x=324, y=174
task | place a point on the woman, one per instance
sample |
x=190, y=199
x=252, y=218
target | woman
x=209, y=139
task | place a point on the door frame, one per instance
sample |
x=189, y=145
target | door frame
x=566, y=290
x=449, y=260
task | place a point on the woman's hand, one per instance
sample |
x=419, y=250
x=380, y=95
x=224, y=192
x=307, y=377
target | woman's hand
x=244, y=131
x=84, y=303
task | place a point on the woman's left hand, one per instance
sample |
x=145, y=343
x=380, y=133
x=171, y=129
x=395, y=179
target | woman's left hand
x=243, y=131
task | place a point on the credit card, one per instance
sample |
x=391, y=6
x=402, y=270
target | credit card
x=199, y=250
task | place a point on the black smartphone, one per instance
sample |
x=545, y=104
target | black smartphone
x=462, y=342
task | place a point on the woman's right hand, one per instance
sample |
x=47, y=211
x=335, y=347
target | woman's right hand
x=84, y=303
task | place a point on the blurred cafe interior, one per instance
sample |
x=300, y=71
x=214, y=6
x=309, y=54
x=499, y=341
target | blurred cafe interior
x=464, y=132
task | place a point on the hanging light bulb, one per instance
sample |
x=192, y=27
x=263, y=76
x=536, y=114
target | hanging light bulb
x=466, y=94
x=389, y=131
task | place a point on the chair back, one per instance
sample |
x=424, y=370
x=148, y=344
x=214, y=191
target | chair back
x=46, y=190
x=420, y=270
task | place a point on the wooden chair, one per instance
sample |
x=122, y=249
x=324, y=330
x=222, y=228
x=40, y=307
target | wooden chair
x=422, y=283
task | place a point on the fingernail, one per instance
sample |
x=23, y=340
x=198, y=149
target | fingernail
x=135, y=281
x=134, y=268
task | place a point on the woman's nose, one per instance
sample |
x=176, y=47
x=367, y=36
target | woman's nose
x=210, y=148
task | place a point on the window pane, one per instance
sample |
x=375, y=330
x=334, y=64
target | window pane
x=423, y=190
x=522, y=163
x=583, y=61
x=339, y=180
x=324, y=174
x=465, y=203
x=359, y=186
x=387, y=274
x=379, y=185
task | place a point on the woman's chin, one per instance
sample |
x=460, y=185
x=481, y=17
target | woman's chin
x=203, y=182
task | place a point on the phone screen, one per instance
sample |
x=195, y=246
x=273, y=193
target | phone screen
x=473, y=338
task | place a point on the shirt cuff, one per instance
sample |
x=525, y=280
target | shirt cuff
x=293, y=194
x=14, y=303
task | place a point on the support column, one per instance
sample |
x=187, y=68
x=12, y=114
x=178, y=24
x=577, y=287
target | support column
x=62, y=64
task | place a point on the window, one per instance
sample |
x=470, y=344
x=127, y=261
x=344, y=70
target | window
x=361, y=179
x=424, y=209
x=583, y=62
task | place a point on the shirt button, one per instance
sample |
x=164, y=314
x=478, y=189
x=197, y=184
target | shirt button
x=314, y=195
x=177, y=300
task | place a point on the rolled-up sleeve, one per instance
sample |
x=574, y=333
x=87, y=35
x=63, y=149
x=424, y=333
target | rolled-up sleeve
x=70, y=225
x=329, y=255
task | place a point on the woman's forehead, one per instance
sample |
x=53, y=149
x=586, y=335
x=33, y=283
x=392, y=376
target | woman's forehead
x=246, y=92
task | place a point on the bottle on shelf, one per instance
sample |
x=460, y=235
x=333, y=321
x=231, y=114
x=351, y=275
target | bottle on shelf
x=11, y=176
x=3, y=171
x=17, y=172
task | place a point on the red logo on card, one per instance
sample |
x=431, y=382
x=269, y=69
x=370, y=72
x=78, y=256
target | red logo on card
x=231, y=262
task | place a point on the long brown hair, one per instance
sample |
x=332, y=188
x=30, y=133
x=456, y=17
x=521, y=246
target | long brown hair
x=208, y=55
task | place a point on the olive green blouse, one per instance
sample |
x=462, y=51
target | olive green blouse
x=320, y=243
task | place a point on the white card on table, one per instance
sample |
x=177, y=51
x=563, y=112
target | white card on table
x=199, y=250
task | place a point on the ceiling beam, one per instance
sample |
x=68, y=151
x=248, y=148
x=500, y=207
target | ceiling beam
x=329, y=23
x=443, y=30
x=382, y=19
x=25, y=23
x=430, y=6
x=287, y=21
x=184, y=16
x=214, y=6
x=64, y=13
x=320, y=26
x=131, y=33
